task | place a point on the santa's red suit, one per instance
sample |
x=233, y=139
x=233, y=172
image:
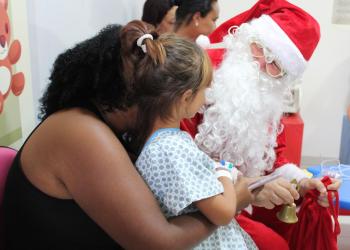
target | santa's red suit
x=298, y=33
x=262, y=224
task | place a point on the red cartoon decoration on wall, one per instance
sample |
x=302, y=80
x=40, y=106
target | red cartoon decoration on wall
x=10, y=53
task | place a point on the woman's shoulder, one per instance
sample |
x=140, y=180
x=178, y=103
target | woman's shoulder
x=74, y=115
x=67, y=144
x=75, y=122
x=70, y=135
x=78, y=128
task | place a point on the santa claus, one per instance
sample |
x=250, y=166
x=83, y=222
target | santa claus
x=261, y=53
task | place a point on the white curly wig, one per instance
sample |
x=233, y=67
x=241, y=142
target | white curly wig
x=244, y=107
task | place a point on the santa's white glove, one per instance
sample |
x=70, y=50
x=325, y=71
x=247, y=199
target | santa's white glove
x=291, y=171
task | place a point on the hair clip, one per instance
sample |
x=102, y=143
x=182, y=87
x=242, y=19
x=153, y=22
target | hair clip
x=139, y=41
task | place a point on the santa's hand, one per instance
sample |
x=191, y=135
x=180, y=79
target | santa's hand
x=309, y=184
x=274, y=193
x=335, y=184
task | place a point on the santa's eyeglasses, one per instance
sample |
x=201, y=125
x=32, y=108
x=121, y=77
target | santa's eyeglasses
x=273, y=68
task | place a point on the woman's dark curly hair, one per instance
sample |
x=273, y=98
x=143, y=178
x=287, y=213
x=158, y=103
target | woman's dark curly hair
x=89, y=73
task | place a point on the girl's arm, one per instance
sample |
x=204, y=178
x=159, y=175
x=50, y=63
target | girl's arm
x=220, y=209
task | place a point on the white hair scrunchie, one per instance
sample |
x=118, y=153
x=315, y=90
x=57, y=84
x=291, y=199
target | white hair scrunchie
x=141, y=39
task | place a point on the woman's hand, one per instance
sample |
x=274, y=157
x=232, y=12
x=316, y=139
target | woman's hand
x=309, y=184
x=274, y=193
x=243, y=195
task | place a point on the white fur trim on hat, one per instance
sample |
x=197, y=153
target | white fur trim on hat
x=203, y=41
x=291, y=171
x=273, y=37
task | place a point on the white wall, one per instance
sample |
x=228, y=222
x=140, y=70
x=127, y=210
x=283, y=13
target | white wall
x=55, y=25
x=20, y=31
x=326, y=82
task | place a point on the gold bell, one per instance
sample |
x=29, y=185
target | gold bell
x=288, y=213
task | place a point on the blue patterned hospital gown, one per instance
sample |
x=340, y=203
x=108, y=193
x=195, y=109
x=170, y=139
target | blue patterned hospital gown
x=179, y=174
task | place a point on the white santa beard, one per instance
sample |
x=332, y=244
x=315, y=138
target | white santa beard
x=243, y=120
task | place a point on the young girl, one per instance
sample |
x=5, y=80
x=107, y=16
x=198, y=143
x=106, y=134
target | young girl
x=170, y=76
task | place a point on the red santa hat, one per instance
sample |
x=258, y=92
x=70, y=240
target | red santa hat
x=287, y=30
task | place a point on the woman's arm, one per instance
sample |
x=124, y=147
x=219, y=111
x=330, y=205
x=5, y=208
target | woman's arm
x=98, y=174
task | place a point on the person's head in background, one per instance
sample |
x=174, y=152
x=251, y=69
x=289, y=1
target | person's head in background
x=196, y=17
x=161, y=14
x=168, y=87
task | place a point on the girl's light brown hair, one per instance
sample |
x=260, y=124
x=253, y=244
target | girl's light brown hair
x=170, y=66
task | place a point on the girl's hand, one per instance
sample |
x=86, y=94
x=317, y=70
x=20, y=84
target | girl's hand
x=274, y=193
x=243, y=195
x=309, y=184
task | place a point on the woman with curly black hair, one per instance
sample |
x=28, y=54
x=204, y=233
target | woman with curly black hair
x=196, y=17
x=86, y=74
x=72, y=184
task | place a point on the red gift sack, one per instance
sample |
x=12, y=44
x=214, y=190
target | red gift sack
x=318, y=227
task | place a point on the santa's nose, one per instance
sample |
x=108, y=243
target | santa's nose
x=2, y=41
